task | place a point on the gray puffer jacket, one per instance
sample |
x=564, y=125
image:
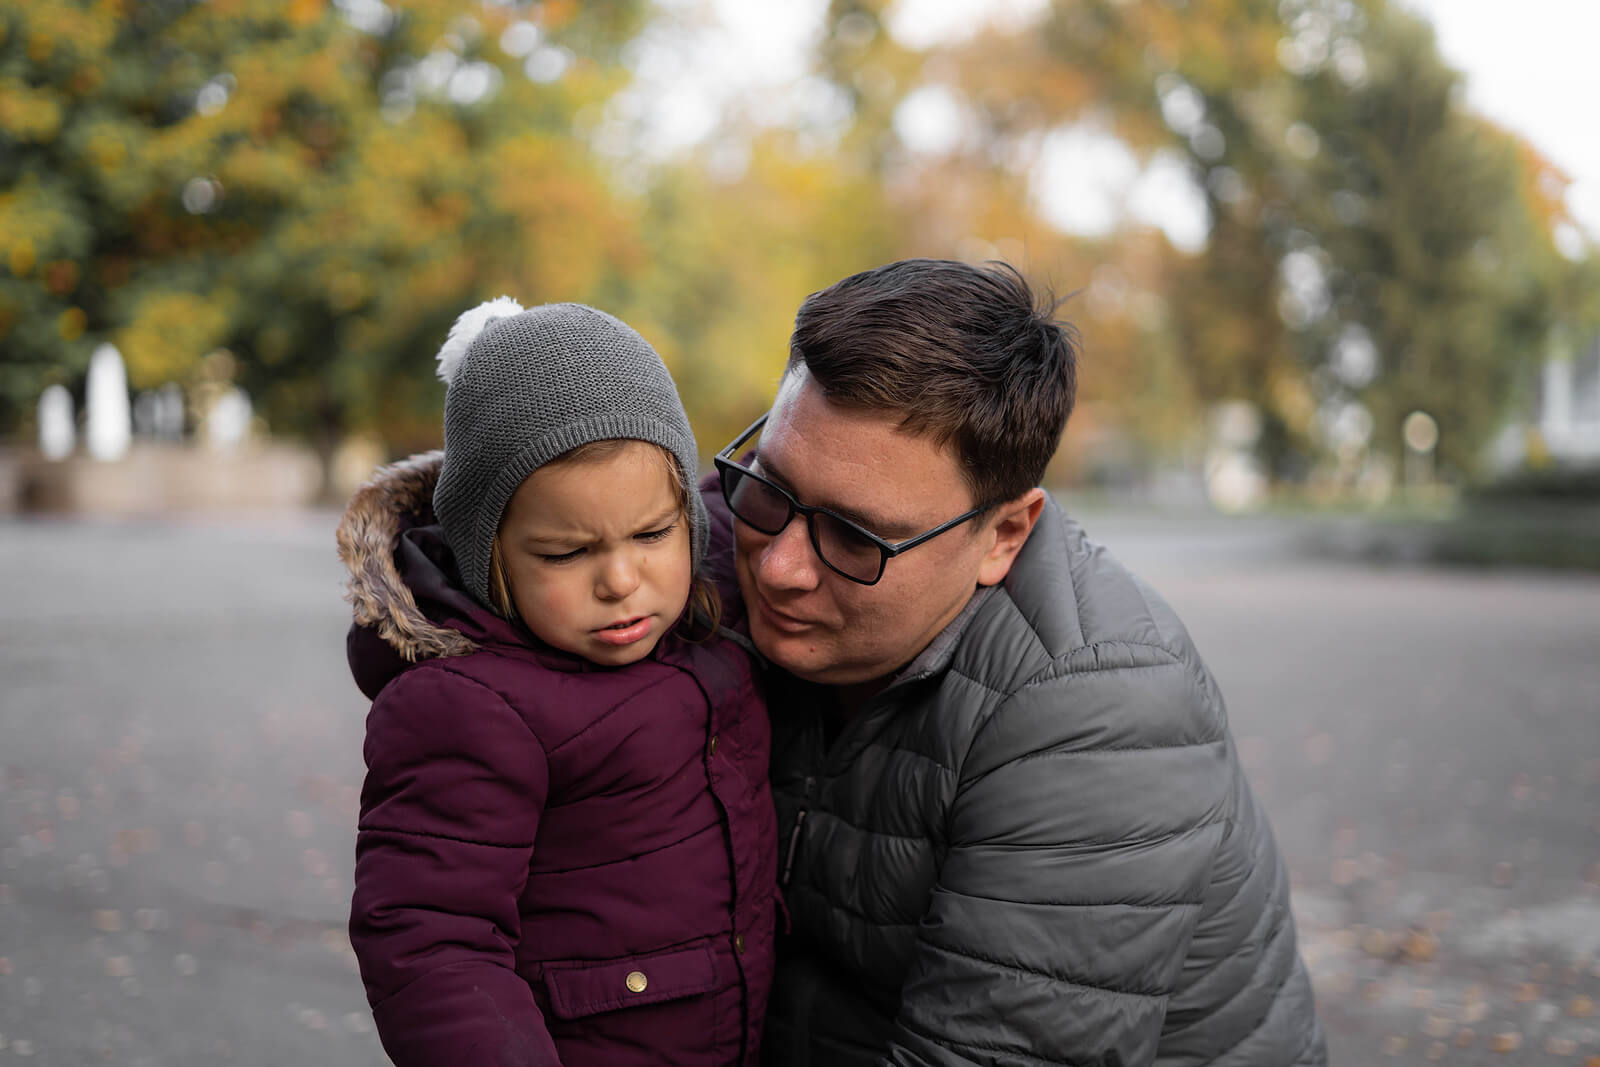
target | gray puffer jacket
x=1035, y=847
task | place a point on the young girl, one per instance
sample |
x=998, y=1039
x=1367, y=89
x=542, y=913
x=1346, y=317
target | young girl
x=566, y=851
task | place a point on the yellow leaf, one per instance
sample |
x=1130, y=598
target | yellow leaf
x=71, y=324
x=21, y=258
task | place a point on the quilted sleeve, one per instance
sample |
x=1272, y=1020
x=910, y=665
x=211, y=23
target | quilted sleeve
x=455, y=785
x=1088, y=813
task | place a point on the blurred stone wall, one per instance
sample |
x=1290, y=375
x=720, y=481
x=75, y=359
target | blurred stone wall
x=158, y=478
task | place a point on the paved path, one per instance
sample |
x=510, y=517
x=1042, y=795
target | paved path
x=1427, y=744
x=180, y=759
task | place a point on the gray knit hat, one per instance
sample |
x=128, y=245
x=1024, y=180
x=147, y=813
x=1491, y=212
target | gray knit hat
x=526, y=386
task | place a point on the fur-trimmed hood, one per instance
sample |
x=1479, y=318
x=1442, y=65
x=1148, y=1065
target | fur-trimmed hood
x=373, y=547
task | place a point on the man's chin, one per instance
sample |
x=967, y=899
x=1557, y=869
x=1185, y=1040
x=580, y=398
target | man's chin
x=805, y=657
x=801, y=648
x=799, y=654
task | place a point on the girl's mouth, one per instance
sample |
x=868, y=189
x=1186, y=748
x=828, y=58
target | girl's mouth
x=625, y=631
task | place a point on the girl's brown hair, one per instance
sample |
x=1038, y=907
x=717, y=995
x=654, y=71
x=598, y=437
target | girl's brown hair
x=699, y=623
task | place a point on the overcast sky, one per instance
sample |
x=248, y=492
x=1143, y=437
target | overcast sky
x=1532, y=66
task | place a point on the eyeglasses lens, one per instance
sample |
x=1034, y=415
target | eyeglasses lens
x=755, y=502
x=761, y=506
x=847, y=550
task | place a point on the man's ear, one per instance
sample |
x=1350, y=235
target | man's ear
x=1011, y=524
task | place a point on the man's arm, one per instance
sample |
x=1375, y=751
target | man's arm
x=1089, y=811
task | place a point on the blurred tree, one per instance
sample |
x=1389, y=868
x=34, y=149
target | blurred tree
x=1369, y=239
x=1089, y=65
x=47, y=69
x=1432, y=229
x=318, y=188
x=728, y=259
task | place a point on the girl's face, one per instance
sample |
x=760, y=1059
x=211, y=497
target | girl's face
x=596, y=553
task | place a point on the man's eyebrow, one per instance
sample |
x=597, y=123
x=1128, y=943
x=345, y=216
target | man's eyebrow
x=884, y=528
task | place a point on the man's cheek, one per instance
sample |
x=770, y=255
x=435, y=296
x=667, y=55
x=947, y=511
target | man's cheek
x=743, y=544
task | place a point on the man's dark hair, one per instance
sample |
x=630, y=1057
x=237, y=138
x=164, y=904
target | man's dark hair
x=963, y=355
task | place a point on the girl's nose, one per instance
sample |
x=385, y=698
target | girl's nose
x=619, y=577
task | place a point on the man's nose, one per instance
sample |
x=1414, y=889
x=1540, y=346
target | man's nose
x=618, y=578
x=787, y=560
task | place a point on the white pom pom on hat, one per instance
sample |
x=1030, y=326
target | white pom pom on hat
x=466, y=330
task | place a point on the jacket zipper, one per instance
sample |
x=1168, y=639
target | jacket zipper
x=794, y=836
x=793, y=847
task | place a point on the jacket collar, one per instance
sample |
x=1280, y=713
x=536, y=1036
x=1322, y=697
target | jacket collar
x=1038, y=584
x=936, y=657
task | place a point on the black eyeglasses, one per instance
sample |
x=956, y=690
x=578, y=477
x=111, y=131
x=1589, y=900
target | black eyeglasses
x=848, y=550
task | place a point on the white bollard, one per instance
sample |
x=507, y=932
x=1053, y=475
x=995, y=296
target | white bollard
x=169, y=413
x=110, y=420
x=228, y=422
x=57, y=435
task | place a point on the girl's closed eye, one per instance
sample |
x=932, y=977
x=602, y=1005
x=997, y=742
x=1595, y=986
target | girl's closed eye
x=652, y=536
x=560, y=557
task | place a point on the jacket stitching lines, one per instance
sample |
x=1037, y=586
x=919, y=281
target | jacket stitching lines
x=441, y=666
x=1164, y=906
x=629, y=859
x=1018, y=968
x=1094, y=842
x=1061, y=753
x=1270, y=905
x=856, y=914
x=1001, y=1049
x=1281, y=981
x=938, y=763
x=603, y=716
x=979, y=682
x=1071, y=673
x=918, y=836
x=1260, y=1023
x=443, y=837
x=590, y=725
x=1046, y=678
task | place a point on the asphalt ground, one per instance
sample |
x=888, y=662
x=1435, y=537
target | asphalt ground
x=180, y=764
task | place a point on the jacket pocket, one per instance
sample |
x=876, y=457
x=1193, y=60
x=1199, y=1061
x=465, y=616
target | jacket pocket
x=586, y=987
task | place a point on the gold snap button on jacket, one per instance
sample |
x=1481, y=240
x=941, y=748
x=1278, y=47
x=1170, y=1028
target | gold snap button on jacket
x=738, y=943
x=637, y=981
x=711, y=749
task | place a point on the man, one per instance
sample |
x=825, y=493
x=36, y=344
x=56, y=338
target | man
x=1014, y=826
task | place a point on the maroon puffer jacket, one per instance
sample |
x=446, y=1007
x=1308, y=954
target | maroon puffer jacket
x=556, y=863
